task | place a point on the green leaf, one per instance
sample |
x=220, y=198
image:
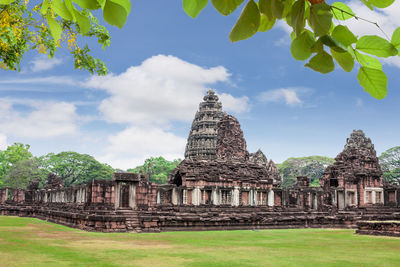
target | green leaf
x=344, y=35
x=71, y=9
x=368, y=61
x=6, y=2
x=55, y=28
x=321, y=62
x=265, y=23
x=115, y=14
x=318, y=47
x=373, y=81
x=375, y=45
x=341, y=11
x=396, y=38
x=265, y=7
x=301, y=46
x=101, y=3
x=287, y=7
x=368, y=4
x=194, y=7
x=247, y=24
x=61, y=9
x=381, y=3
x=88, y=4
x=45, y=6
x=345, y=60
x=277, y=7
x=297, y=14
x=226, y=7
x=333, y=43
x=320, y=19
x=124, y=3
x=83, y=22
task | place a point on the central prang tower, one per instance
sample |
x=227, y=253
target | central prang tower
x=202, y=140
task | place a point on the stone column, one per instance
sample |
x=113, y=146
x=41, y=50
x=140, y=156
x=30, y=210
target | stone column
x=196, y=196
x=117, y=194
x=373, y=197
x=132, y=195
x=174, y=197
x=235, y=196
x=215, y=197
x=158, y=197
x=255, y=198
x=271, y=198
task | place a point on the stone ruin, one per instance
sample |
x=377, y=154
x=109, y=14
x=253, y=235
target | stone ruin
x=355, y=178
x=219, y=185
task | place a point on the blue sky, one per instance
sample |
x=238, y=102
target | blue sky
x=161, y=64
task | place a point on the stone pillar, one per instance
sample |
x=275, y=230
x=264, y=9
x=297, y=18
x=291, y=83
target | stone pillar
x=132, y=195
x=271, y=198
x=215, y=197
x=196, y=196
x=117, y=194
x=158, y=197
x=373, y=197
x=255, y=197
x=174, y=197
x=235, y=196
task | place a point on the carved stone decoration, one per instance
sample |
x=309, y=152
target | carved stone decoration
x=202, y=140
x=230, y=142
x=259, y=158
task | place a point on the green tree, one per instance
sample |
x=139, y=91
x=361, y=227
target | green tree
x=390, y=164
x=48, y=25
x=11, y=156
x=158, y=169
x=312, y=166
x=75, y=168
x=325, y=42
x=22, y=172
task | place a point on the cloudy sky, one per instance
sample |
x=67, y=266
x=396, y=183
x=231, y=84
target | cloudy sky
x=161, y=64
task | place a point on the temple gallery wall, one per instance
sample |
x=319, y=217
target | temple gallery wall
x=219, y=185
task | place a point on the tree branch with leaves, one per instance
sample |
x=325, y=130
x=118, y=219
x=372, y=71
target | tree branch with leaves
x=49, y=25
x=323, y=42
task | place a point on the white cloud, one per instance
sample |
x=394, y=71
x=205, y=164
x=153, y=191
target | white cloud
x=63, y=80
x=3, y=141
x=131, y=146
x=160, y=90
x=288, y=95
x=234, y=104
x=43, y=63
x=46, y=120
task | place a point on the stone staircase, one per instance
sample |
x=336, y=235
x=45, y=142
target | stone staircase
x=131, y=220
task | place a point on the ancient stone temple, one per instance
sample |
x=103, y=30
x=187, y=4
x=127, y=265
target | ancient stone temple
x=355, y=179
x=217, y=168
x=219, y=185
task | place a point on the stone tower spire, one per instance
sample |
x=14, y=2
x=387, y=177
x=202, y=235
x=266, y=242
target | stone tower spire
x=202, y=140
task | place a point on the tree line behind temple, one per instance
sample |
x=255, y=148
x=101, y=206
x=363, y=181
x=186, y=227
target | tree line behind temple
x=18, y=166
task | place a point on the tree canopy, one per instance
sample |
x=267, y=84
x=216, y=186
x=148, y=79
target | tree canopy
x=390, y=163
x=158, y=169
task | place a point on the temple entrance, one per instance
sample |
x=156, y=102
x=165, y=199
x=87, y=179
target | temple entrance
x=124, y=203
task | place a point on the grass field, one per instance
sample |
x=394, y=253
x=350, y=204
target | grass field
x=32, y=242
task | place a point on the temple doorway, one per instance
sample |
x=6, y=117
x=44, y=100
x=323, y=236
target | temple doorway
x=124, y=203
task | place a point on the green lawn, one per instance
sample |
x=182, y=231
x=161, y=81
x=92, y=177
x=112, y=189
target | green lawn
x=32, y=242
